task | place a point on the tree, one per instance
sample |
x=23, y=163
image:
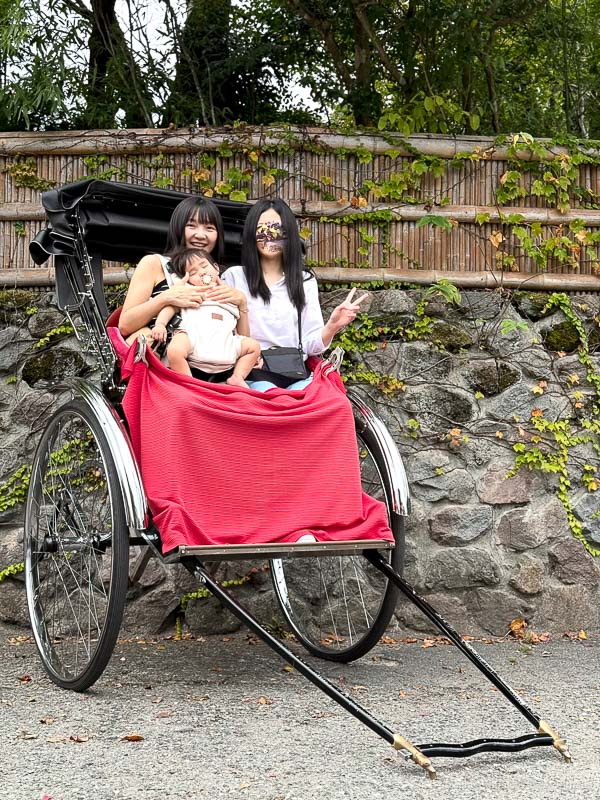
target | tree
x=485, y=66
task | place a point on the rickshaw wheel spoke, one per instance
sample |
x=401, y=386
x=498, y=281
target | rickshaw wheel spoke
x=76, y=548
x=339, y=606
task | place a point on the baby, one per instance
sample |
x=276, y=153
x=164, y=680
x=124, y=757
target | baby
x=206, y=338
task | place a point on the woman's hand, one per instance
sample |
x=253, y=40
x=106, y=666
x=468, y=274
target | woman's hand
x=183, y=294
x=346, y=312
x=223, y=293
x=341, y=316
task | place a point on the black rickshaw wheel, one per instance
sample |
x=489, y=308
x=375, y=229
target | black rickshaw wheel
x=76, y=548
x=338, y=607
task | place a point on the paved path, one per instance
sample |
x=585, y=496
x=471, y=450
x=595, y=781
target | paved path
x=224, y=718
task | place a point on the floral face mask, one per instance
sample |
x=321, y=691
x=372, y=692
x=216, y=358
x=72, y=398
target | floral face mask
x=272, y=235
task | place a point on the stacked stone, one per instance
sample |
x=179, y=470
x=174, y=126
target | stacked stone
x=483, y=548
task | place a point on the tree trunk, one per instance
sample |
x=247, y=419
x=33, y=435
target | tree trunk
x=114, y=81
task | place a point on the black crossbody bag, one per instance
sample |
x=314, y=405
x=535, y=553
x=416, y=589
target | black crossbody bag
x=282, y=365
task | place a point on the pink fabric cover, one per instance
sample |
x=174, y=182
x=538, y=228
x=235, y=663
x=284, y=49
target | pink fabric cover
x=225, y=465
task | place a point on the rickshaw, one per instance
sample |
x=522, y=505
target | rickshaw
x=86, y=504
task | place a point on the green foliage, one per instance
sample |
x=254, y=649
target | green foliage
x=550, y=450
x=24, y=174
x=509, y=325
x=448, y=68
x=56, y=333
x=386, y=384
x=445, y=289
x=11, y=571
x=422, y=112
x=201, y=593
x=14, y=489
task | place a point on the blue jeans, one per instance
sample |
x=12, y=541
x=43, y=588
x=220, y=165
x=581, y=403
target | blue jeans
x=262, y=386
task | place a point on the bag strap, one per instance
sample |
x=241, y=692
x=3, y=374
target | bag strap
x=300, y=333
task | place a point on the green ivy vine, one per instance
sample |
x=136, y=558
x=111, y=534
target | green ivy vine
x=549, y=450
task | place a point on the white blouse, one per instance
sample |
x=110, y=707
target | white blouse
x=276, y=323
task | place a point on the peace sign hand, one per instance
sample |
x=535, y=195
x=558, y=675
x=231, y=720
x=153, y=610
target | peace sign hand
x=346, y=312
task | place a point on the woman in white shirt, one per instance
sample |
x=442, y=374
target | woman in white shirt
x=277, y=285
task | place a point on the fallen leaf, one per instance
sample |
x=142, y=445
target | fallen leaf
x=47, y=720
x=388, y=640
x=402, y=694
x=265, y=701
x=517, y=627
x=132, y=737
x=25, y=678
x=582, y=635
x=26, y=735
x=79, y=738
x=165, y=713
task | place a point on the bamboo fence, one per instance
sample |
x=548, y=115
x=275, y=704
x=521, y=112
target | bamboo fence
x=362, y=201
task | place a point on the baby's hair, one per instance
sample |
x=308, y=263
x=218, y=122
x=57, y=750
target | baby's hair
x=181, y=258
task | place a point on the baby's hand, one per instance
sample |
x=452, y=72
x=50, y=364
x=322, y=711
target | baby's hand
x=159, y=332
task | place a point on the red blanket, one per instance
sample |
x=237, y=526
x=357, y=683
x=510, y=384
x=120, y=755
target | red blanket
x=224, y=465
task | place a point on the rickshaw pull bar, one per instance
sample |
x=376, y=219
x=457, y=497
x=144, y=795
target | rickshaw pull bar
x=546, y=734
x=456, y=639
x=399, y=742
x=461, y=750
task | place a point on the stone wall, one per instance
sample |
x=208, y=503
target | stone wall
x=466, y=384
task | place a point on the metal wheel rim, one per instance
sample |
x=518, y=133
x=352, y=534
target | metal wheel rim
x=348, y=615
x=69, y=526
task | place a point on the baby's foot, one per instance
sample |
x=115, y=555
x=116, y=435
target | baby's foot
x=235, y=381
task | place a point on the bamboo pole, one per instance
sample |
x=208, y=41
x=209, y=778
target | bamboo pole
x=410, y=213
x=460, y=213
x=11, y=278
x=14, y=212
x=194, y=139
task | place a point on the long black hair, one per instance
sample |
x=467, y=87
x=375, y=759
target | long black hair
x=200, y=209
x=293, y=253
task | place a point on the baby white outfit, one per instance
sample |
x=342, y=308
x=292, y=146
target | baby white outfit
x=210, y=327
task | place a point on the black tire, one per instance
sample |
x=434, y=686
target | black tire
x=76, y=548
x=338, y=607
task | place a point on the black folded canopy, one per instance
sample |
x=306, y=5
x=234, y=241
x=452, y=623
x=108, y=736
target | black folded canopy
x=121, y=221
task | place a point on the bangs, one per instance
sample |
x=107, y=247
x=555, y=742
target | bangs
x=204, y=213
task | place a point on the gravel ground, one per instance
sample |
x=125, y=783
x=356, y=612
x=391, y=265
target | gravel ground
x=225, y=717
